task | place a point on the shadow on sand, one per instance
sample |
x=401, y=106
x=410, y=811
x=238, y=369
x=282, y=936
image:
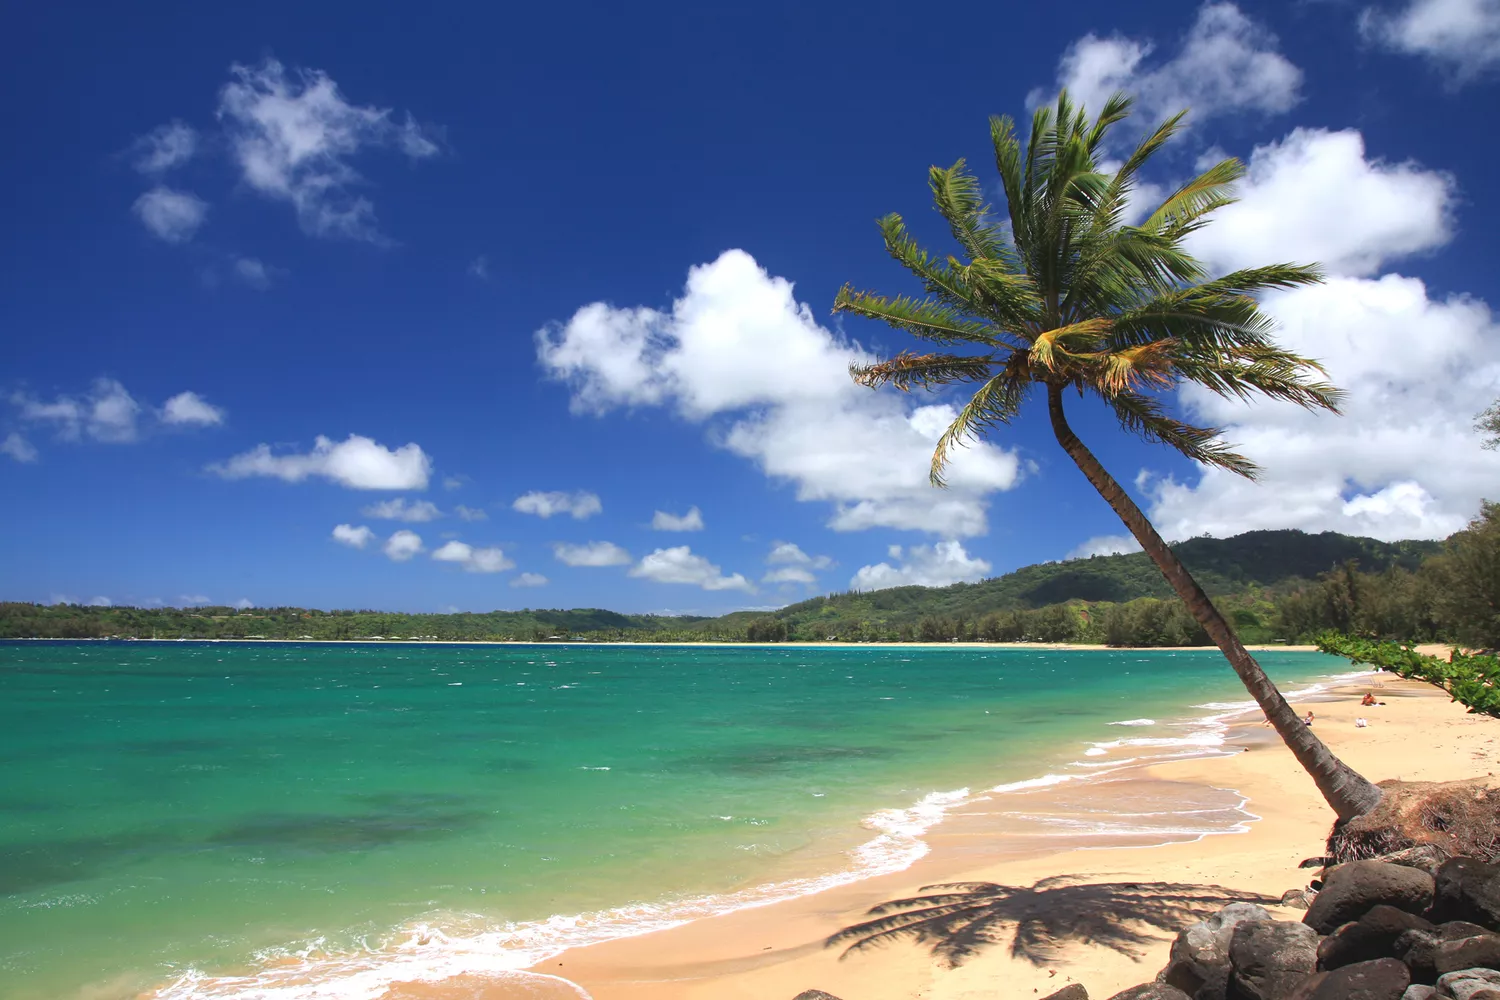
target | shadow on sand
x=960, y=919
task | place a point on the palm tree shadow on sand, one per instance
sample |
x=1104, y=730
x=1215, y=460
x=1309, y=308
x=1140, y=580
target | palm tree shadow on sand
x=960, y=919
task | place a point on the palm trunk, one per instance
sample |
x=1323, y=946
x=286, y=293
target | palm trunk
x=1344, y=789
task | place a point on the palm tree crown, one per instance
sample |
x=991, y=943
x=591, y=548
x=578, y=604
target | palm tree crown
x=1066, y=293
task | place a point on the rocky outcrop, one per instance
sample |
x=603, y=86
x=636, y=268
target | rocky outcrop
x=1268, y=959
x=1372, y=936
x=1382, y=979
x=1199, y=961
x=1072, y=991
x=1467, y=889
x=1352, y=889
x=1151, y=991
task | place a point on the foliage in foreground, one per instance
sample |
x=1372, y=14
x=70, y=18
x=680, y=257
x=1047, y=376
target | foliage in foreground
x=1472, y=680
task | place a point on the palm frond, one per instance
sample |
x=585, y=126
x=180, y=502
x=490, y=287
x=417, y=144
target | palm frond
x=997, y=402
x=929, y=320
x=1145, y=417
x=925, y=371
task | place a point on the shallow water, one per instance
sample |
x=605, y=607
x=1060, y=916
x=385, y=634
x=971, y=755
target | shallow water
x=244, y=820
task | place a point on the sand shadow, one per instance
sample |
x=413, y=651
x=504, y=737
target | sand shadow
x=960, y=919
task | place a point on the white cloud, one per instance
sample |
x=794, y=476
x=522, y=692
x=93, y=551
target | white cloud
x=173, y=216
x=100, y=602
x=192, y=600
x=254, y=273
x=403, y=545
x=18, y=448
x=479, y=267
x=691, y=521
x=353, y=537
x=107, y=414
x=792, y=564
x=1461, y=36
x=490, y=560
x=293, y=135
x=358, y=463
x=1104, y=545
x=581, y=504
x=528, y=580
x=1227, y=63
x=164, y=147
x=398, y=509
x=191, y=408
x=935, y=565
x=590, y=554
x=738, y=346
x=470, y=513
x=1313, y=197
x=453, y=482
x=680, y=565
x=1403, y=462
x=243, y=604
x=789, y=574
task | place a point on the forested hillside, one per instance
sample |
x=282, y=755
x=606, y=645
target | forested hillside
x=1118, y=599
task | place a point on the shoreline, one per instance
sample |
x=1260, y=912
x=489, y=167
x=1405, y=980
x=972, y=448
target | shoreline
x=1284, y=821
x=832, y=644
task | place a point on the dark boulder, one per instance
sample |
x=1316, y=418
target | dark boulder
x=1468, y=984
x=1151, y=991
x=1419, y=948
x=1425, y=857
x=1478, y=951
x=816, y=995
x=1072, y=991
x=1370, y=937
x=1382, y=979
x=1352, y=889
x=1298, y=899
x=1467, y=889
x=1268, y=959
x=1199, y=962
x=1419, y=991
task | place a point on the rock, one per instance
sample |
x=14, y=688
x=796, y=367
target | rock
x=1465, y=983
x=1072, y=991
x=1350, y=890
x=1372, y=936
x=1315, y=863
x=1269, y=958
x=1480, y=950
x=1419, y=948
x=1298, y=899
x=820, y=995
x=1382, y=979
x=1151, y=991
x=1424, y=857
x=1417, y=991
x=1199, y=962
x=1467, y=889
x=1307, y=987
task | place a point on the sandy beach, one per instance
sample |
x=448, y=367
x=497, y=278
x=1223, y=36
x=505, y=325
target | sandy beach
x=774, y=952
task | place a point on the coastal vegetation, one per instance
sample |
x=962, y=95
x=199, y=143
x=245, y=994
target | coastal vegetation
x=1066, y=295
x=1472, y=679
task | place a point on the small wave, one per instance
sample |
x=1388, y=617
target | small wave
x=1135, y=722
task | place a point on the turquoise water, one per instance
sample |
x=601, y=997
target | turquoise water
x=203, y=818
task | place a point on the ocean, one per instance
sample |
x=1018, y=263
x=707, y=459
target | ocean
x=284, y=821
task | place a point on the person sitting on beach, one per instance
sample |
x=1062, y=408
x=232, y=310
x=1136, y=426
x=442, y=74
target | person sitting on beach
x=1361, y=723
x=1369, y=699
x=1309, y=719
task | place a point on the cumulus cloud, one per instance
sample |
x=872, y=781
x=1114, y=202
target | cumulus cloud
x=528, y=580
x=1227, y=63
x=489, y=560
x=243, y=604
x=792, y=565
x=191, y=409
x=253, y=273
x=581, y=504
x=1403, y=462
x=358, y=463
x=293, y=136
x=590, y=554
x=404, y=544
x=18, y=448
x=935, y=565
x=739, y=351
x=470, y=513
x=108, y=413
x=191, y=600
x=354, y=537
x=398, y=509
x=453, y=482
x=164, y=147
x=1461, y=36
x=691, y=521
x=1308, y=198
x=173, y=216
x=681, y=565
x=1104, y=545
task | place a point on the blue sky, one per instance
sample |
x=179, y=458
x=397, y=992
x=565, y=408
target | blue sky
x=358, y=307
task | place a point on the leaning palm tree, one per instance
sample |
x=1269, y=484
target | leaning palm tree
x=1065, y=295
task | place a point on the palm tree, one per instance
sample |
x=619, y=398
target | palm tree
x=1065, y=295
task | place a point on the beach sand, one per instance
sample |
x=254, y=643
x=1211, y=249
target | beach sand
x=776, y=951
